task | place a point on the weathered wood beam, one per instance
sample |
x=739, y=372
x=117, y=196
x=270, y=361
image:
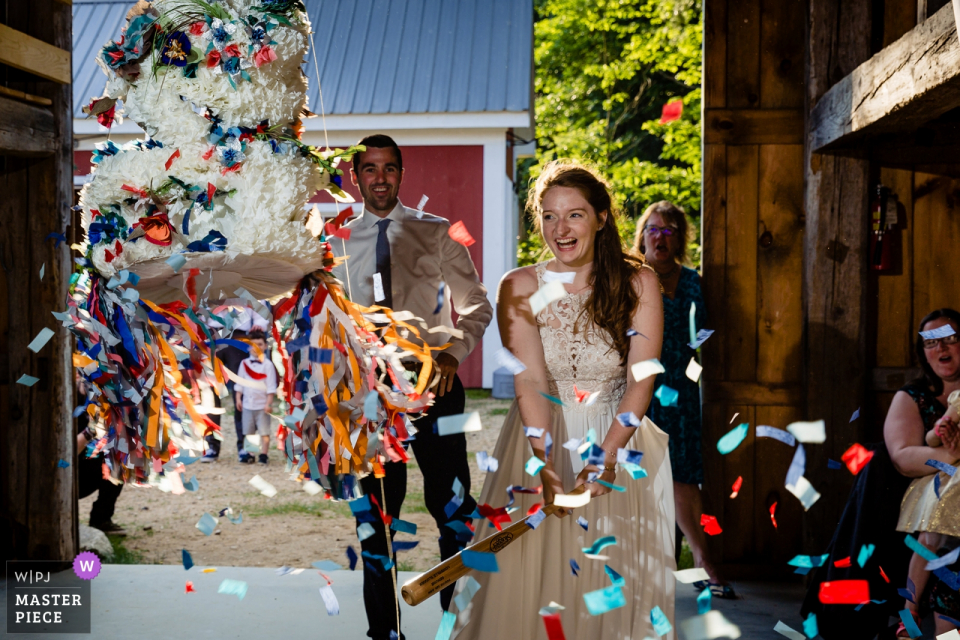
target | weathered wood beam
x=753, y=126
x=34, y=56
x=752, y=393
x=26, y=130
x=914, y=80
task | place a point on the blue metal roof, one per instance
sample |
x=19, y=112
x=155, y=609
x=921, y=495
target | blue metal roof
x=377, y=56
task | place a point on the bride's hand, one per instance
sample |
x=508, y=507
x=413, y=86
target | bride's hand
x=552, y=485
x=595, y=488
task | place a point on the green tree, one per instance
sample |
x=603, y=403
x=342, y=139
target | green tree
x=604, y=70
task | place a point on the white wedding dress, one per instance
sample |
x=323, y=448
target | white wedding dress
x=535, y=569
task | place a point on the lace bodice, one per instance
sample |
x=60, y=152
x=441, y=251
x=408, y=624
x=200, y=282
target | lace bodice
x=578, y=355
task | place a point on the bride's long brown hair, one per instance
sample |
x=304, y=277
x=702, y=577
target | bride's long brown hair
x=613, y=300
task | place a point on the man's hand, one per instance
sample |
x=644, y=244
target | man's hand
x=447, y=367
x=239, y=403
x=595, y=488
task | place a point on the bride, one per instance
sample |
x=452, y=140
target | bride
x=578, y=351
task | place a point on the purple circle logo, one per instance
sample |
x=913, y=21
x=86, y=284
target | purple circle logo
x=86, y=565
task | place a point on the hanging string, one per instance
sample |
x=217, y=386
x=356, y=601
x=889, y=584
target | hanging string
x=323, y=115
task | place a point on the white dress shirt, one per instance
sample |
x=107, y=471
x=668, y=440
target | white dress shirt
x=422, y=255
x=256, y=399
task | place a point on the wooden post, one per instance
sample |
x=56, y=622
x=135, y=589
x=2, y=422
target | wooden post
x=835, y=267
x=37, y=497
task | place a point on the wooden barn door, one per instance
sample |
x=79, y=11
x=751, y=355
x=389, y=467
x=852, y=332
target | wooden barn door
x=753, y=238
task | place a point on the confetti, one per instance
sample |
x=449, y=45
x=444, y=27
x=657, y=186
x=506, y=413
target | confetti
x=736, y=486
x=843, y=563
x=865, y=552
x=694, y=370
x=43, y=268
x=646, y=368
x=534, y=520
x=844, y=592
x=546, y=295
x=189, y=588
x=702, y=336
x=330, y=600
x=447, y=622
x=785, y=437
x=599, y=545
x=583, y=523
x=403, y=526
x=487, y=463
x=554, y=627
x=533, y=466
x=671, y=112
x=510, y=362
x=709, y=626
x=856, y=414
x=176, y=262
x=364, y=531
x=27, y=381
x=63, y=464
x=943, y=561
x=703, y=601
x=263, y=486
x=603, y=600
x=773, y=511
x=470, y=588
x=420, y=206
x=480, y=561
x=533, y=432
x=574, y=567
x=953, y=634
x=787, y=631
x=856, y=458
x=41, y=340
x=810, y=626
x=804, y=492
x=233, y=587
x=659, y=621
x=812, y=432
x=629, y=456
x=797, y=466
x=440, y=297
x=187, y=559
x=667, y=396
x=809, y=562
x=909, y=623
x=352, y=558
x=459, y=423
x=939, y=332
x=710, y=525
x=207, y=524
x=628, y=419
x=733, y=438
x=948, y=469
x=689, y=576
x=833, y=464
x=458, y=232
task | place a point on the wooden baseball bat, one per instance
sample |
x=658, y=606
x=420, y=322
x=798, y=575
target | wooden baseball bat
x=418, y=589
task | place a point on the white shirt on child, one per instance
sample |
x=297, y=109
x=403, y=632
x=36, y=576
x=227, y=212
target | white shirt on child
x=256, y=399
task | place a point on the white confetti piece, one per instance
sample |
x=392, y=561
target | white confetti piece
x=510, y=362
x=689, y=576
x=813, y=432
x=645, y=369
x=263, y=486
x=565, y=277
x=460, y=423
x=694, y=370
x=545, y=295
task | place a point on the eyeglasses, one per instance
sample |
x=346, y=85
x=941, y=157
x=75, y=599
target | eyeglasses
x=932, y=344
x=664, y=231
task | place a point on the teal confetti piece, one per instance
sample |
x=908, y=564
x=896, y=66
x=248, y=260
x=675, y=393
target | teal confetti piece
x=616, y=580
x=27, y=381
x=693, y=322
x=636, y=471
x=552, y=399
x=469, y=590
x=909, y=623
x=187, y=559
x=809, y=562
x=41, y=340
x=603, y=600
x=311, y=463
x=865, y=552
x=192, y=485
x=667, y=396
x=446, y=625
x=480, y=561
x=402, y=525
x=810, y=626
x=534, y=465
x=176, y=262
x=207, y=524
x=614, y=487
x=234, y=588
x=370, y=405
x=703, y=601
x=919, y=549
x=733, y=438
x=599, y=545
x=659, y=621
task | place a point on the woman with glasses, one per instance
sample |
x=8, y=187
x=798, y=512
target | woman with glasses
x=931, y=506
x=663, y=237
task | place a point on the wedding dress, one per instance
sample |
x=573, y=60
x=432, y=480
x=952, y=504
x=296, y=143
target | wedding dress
x=536, y=569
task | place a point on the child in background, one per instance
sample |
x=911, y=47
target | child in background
x=254, y=404
x=936, y=542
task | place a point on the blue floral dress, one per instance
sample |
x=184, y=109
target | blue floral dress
x=681, y=421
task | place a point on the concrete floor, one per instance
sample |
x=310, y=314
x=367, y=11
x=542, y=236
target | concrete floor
x=149, y=601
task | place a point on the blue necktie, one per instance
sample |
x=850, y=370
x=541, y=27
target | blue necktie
x=383, y=263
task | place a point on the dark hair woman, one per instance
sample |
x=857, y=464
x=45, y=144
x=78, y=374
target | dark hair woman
x=574, y=326
x=663, y=237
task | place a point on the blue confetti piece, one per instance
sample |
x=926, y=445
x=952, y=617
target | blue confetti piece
x=319, y=404
x=404, y=545
x=59, y=237
x=536, y=518
x=480, y=561
x=616, y=580
x=79, y=410
x=865, y=552
x=785, y=437
x=384, y=561
x=360, y=505
x=176, y=262
x=628, y=419
x=192, y=485
x=906, y=595
x=321, y=356
x=443, y=286
x=732, y=439
x=583, y=523
x=603, y=600
x=797, y=466
x=364, y=531
x=187, y=559
x=460, y=528
x=352, y=557
x=370, y=405
x=909, y=623
x=667, y=396
x=833, y=464
x=594, y=455
x=599, y=545
x=402, y=525
x=948, y=469
x=574, y=567
x=659, y=621
x=207, y=524
x=936, y=485
x=63, y=464
x=856, y=414
x=702, y=336
x=703, y=601
x=636, y=471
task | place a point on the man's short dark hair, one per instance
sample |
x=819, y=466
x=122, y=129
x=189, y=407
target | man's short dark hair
x=378, y=141
x=257, y=334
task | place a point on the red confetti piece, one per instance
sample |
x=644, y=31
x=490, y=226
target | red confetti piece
x=173, y=156
x=581, y=395
x=190, y=588
x=532, y=510
x=845, y=592
x=264, y=56
x=231, y=169
x=206, y=156
x=736, y=486
x=883, y=573
x=330, y=230
x=139, y=192
x=458, y=231
x=710, y=525
x=773, y=511
x=856, y=458
x=843, y=563
x=671, y=111
x=342, y=217
x=554, y=627
x=211, y=190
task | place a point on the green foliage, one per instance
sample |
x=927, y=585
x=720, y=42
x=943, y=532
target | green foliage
x=604, y=70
